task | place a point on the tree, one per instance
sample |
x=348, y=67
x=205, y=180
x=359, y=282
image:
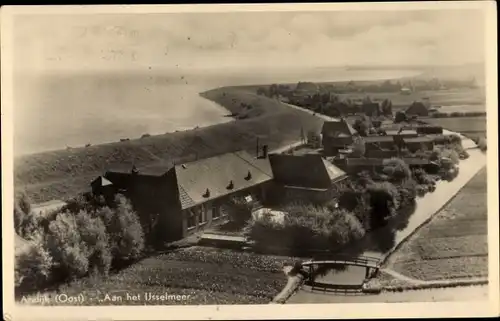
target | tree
x=33, y=267
x=384, y=201
x=361, y=127
x=94, y=235
x=65, y=245
x=400, y=117
x=124, y=229
x=273, y=91
x=25, y=221
x=358, y=147
x=386, y=107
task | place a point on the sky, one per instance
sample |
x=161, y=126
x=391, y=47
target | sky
x=211, y=41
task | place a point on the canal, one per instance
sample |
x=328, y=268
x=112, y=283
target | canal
x=382, y=242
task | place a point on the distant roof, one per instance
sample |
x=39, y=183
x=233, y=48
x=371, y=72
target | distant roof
x=337, y=129
x=304, y=171
x=101, y=181
x=210, y=178
x=416, y=161
x=394, y=132
x=380, y=161
x=376, y=139
x=421, y=139
x=364, y=161
x=417, y=107
x=157, y=169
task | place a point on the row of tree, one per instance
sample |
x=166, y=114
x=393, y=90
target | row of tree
x=83, y=237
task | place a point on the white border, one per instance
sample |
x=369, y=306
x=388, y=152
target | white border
x=289, y=311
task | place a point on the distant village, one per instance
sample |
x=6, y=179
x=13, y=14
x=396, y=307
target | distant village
x=187, y=198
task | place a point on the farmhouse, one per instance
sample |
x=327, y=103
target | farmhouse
x=336, y=135
x=379, y=142
x=304, y=178
x=176, y=201
x=414, y=144
x=418, y=109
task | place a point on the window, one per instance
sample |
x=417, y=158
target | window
x=215, y=211
x=191, y=220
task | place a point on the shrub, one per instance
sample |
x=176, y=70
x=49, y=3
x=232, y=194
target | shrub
x=396, y=169
x=407, y=192
x=65, y=245
x=33, y=267
x=124, y=230
x=93, y=234
x=306, y=227
x=384, y=201
x=25, y=222
x=239, y=211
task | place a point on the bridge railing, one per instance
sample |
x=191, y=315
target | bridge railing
x=344, y=259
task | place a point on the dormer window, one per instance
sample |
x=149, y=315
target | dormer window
x=231, y=185
x=249, y=176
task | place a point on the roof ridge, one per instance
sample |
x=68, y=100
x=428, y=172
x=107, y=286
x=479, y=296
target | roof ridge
x=245, y=160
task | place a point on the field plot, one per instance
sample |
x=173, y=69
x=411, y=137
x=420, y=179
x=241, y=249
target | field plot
x=461, y=124
x=473, y=98
x=207, y=275
x=454, y=244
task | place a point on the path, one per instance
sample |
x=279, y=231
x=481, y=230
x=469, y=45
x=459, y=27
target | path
x=324, y=117
x=464, y=293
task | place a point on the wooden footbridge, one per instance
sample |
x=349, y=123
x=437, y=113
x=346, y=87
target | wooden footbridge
x=372, y=264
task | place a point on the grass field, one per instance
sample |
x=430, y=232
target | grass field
x=207, y=275
x=62, y=174
x=454, y=244
x=472, y=125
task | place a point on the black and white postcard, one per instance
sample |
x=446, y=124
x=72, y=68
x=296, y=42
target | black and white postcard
x=250, y=161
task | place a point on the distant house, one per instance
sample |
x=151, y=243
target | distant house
x=176, y=201
x=305, y=178
x=401, y=132
x=405, y=91
x=381, y=153
x=430, y=129
x=414, y=144
x=336, y=135
x=379, y=143
x=418, y=108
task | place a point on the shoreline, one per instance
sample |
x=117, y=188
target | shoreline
x=246, y=86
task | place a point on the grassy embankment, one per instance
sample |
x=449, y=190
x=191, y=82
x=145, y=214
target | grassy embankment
x=65, y=173
x=453, y=245
x=208, y=276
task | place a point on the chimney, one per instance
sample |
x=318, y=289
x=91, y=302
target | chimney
x=264, y=151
